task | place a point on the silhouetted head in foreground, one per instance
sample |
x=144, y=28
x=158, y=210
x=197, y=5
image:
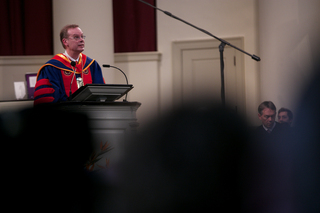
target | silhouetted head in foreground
x=45, y=151
x=187, y=162
x=306, y=169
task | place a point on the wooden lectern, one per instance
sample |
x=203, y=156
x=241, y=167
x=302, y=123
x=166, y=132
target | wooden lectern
x=110, y=121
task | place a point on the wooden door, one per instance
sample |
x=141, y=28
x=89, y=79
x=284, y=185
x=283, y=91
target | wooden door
x=197, y=73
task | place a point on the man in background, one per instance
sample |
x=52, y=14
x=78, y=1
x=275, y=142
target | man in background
x=267, y=115
x=270, y=168
x=269, y=128
x=285, y=116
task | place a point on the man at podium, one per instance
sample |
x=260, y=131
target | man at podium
x=62, y=75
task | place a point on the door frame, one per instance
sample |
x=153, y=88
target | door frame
x=177, y=69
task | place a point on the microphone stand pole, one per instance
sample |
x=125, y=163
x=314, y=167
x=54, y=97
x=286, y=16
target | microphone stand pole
x=221, y=47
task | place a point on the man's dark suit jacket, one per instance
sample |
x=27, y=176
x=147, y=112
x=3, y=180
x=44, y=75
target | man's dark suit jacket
x=280, y=132
x=270, y=163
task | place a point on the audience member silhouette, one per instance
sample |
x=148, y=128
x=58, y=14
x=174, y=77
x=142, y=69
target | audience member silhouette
x=306, y=172
x=190, y=161
x=43, y=162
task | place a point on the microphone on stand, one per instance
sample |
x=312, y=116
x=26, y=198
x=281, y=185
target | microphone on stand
x=73, y=64
x=108, y=66
x=221, y=47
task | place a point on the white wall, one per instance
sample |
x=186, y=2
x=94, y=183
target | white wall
x=232, y=18
x=222, y=18
x=289, y=32
x=142, y=70
x=13, y=69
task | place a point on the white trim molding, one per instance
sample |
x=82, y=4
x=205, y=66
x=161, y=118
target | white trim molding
x=24, y=60
x=137, y=56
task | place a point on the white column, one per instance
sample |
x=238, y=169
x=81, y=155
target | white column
x=288, y=37
x=96, y=21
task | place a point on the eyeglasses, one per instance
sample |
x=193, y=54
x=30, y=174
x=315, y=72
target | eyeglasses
x=77, y=38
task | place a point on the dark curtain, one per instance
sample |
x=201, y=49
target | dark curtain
x=134, y=26
x=26, y=27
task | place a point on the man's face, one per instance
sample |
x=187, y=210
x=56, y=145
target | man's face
x=267, y=117
x=284, y=118
x=75, y=41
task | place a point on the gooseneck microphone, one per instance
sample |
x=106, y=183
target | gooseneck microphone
x=108, y=66
x=73, y=64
